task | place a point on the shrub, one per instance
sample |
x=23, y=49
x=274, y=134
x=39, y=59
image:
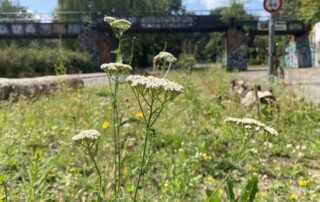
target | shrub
x=29, y=62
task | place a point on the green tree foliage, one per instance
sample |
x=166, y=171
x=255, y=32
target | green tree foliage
x=310, y=11
x=125, y=7
x=146, y=46
x=39, y=61
x=6, y=6
x=215, y=46
x=236, y=10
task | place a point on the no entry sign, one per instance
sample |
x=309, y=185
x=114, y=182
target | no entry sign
x=272, y=6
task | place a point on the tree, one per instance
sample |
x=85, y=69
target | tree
x=310, y=11
x=235, y=10
x=146, y=46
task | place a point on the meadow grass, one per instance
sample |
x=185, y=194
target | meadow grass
x=193, y=147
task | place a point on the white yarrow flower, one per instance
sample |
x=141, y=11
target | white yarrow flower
x=87, y=135
x=116, y=68
x=154, y=83
x=165, y=56
x=109, y=19
x=120, y=26
x=247, y=123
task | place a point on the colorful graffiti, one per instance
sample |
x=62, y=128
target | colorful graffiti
x=304, y=52
x=291, y=58
x=299, y=52
x=237, y=50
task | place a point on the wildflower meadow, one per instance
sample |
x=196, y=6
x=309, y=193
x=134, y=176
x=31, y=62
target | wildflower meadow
x=173, y=136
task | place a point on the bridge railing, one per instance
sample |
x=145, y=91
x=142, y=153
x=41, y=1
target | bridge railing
x=75, y=16
x=43, y=17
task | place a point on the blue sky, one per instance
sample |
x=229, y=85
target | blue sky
x=46, y=6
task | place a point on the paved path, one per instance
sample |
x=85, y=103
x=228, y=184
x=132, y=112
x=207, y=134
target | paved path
x=305, y=81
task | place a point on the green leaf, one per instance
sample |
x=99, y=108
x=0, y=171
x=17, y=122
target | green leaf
x=215, y=198
x=229, y=190
x=131, y=120
x=116, y=51
x=2, y=178
x=104, y=94
x=250, y=191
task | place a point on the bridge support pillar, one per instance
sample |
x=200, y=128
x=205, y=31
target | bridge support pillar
x=98, y=45
x=299, y=52
x=303, y=50
x=236, y=47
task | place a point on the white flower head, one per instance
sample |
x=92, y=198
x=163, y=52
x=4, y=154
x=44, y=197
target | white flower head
x=248, y=123
x=116, y=68
x=120, y=26
x=87, y=135
x=109, y=19
x=165, y=56
x=155, y=85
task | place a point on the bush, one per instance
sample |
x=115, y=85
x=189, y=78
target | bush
x=187, y=61
x=30, y=62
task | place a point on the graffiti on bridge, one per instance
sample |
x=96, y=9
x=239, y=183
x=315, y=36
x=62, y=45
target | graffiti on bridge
x=21, y=29
x=167, y=22
x=237, y=49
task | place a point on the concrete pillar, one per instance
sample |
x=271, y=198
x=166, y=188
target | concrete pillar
x=236, y=47
x=98, y=45
x=299, y=52
x=304, y=52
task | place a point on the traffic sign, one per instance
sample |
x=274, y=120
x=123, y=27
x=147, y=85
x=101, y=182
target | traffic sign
x=272, y=6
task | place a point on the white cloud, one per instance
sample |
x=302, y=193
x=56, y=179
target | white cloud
x=213, y=4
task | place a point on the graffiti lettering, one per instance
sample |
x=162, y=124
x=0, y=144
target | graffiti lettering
x=45, y=29
x=17, y=29
x=74, y=28
x=4, y=30
x=167, y=22
x=30, y=29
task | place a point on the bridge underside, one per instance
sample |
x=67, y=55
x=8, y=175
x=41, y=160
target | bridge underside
x=159, y=24
x=236, y=43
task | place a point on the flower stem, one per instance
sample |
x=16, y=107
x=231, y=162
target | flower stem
x=218, y=187
x=141, y=164
x=99, y=174
x=167, y=70
x=236, y=162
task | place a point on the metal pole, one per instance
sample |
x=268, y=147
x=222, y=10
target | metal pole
x=271, y=43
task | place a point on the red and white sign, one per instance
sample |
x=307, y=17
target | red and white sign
x=272, y=6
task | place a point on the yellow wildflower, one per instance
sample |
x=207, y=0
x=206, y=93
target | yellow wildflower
x=303, y=183
x=252, y=169
x=139, y=115
x=262, y=194
x=105, y=125
x=165, y=184
x=209, y=178
x=221, y=191
x=207, y=158
x=293, y=197
x=72, y=170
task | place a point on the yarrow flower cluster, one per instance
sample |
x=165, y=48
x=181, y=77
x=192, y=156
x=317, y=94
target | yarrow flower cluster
x=165, y=56
x=252, y=124
x=109, y=19
x=116, y=68
x=87, y=135
x=154, y=84
x=119, y=26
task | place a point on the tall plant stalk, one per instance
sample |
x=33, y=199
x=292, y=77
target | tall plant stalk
x=116, y=72
x=156, y=93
